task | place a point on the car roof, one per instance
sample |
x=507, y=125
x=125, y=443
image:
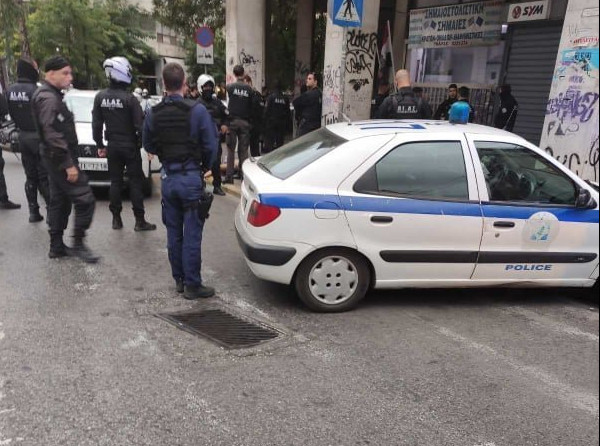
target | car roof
x=360, y=129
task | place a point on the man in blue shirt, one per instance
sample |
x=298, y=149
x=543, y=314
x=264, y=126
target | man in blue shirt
x=183, y=136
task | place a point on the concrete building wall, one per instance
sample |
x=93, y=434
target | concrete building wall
x=570, y=131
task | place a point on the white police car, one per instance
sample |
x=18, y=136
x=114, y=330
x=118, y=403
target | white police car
x=81, y=103
x=392, y=204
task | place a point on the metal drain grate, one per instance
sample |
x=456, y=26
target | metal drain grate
x=223, y=328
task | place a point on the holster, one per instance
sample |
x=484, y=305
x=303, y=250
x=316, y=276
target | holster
x=204, y=205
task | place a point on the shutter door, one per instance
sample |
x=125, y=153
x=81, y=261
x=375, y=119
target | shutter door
x=529, y=71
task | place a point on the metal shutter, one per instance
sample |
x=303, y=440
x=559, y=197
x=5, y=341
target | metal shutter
x=529, y=71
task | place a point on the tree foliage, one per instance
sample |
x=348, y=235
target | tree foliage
x=185, y=16
x=87, y=33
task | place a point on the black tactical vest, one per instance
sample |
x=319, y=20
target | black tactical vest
x=171, y=122
x=406, y=106
x=19, y=104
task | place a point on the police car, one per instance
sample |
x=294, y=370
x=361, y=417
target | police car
x=81, y=103
x=391, y=204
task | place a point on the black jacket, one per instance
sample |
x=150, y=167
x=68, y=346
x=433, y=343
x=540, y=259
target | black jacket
x=217, y=110
x=403, y=105
x=507, y=113
x=277, y=110
x=121, y=113
x=308, y=107
x=241, y=100
x=55, y=126
x=19, y=96
x=444, y=109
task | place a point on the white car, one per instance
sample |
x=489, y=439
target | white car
x=81, y=103
x=394, y=204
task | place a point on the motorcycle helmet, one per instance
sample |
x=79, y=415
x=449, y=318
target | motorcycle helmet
x=118, y=69
x=205, y=78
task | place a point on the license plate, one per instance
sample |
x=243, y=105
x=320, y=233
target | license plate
x=93, y=166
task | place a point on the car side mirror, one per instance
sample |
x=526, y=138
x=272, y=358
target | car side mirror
x=585, y=200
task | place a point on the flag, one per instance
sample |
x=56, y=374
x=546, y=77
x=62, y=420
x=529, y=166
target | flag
x=385, y=75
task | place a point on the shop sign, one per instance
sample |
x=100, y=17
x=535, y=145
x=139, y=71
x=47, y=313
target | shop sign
x=523, y=12
x=467, y=24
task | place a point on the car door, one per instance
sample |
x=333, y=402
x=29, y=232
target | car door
x=414, y=211
x=534, y=230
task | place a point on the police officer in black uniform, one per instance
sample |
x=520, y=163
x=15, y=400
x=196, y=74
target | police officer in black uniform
x=19, y=106
x=308, y=106
x=403, y=104
x=277, y=118
x=241, y=101
x=121, y=113
x=5, y=203
x=183, y=135
x=68, y=185
x=220, y=116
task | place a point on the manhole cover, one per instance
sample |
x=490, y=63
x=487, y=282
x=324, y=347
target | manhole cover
x=224, y=328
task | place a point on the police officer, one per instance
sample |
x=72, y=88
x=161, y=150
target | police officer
x=5, y=203
x=220, y=116
x=241, y=101
x=120, y=112
x=68, y=185
x=277, y=118
x=403, y=104
x=19, y=106
x=308, y=106
x=443, y=110
x=183, y=135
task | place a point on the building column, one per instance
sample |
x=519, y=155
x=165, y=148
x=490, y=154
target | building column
x=245, y=39
x=349, y=68
x=399, y=34
x=304, y=36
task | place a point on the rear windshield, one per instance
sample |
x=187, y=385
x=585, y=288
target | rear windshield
x=81, y=107
x=299, y=153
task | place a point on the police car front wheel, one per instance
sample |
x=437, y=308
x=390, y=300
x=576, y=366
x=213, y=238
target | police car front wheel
x=332, y=280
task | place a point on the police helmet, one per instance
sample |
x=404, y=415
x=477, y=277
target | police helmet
x=205, y=78
x=118, y=69
x=137, y=91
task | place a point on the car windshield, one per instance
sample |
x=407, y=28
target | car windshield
x=299, y=153
x=81, y=107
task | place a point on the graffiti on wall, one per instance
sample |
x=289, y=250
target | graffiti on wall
x=570, y=132
x=361, y=53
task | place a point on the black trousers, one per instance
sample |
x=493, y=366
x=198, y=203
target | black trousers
x=255, y=140
x=3, y=191
x=274, y=136
x=36, y=177
x=216, y=167
x=120, y=158
x=64, y=196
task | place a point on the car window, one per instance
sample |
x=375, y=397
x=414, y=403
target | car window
x=81, y=107
x=433, y=169
x=515, y=173
x=299, y=153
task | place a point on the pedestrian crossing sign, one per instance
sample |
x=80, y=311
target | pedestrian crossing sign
x=347, y=13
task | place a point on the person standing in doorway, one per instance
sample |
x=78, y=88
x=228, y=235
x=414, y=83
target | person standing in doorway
x=117, y=110
x=308, y=106
x=68, y=185
x=507, y=112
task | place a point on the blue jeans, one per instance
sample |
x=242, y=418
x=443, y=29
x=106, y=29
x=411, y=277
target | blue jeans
x=180, y=194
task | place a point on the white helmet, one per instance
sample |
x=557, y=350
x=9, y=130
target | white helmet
x=137, y=91
x=118, y=69
x=204, y=78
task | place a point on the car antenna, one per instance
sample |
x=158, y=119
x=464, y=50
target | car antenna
x=346, y=118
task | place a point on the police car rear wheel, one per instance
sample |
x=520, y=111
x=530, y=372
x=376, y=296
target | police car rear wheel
x=332, y=280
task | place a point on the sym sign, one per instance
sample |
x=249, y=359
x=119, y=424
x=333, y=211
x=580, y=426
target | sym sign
x=523, y=12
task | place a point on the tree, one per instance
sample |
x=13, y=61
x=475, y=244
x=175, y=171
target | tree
x=13, y=15
x=185, y=16
x=77, y=30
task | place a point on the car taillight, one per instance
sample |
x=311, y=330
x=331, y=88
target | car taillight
x=262, y=214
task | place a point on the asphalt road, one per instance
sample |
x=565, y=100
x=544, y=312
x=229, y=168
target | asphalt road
x=85, y=361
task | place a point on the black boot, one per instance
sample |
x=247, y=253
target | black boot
x=117, y=223
x=81, y=251
x=218, y=190
x=142, y=225
x=7, y=204
x=34, y=214
x=57, y=247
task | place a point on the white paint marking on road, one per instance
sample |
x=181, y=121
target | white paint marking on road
x=7, y=441
x=139, y=341
x=547, y=322
x=7, y=410
x=569, y=395
x=1, y=332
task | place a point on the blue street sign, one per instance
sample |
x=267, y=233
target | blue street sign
x=205, y=36
x=348, y=13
